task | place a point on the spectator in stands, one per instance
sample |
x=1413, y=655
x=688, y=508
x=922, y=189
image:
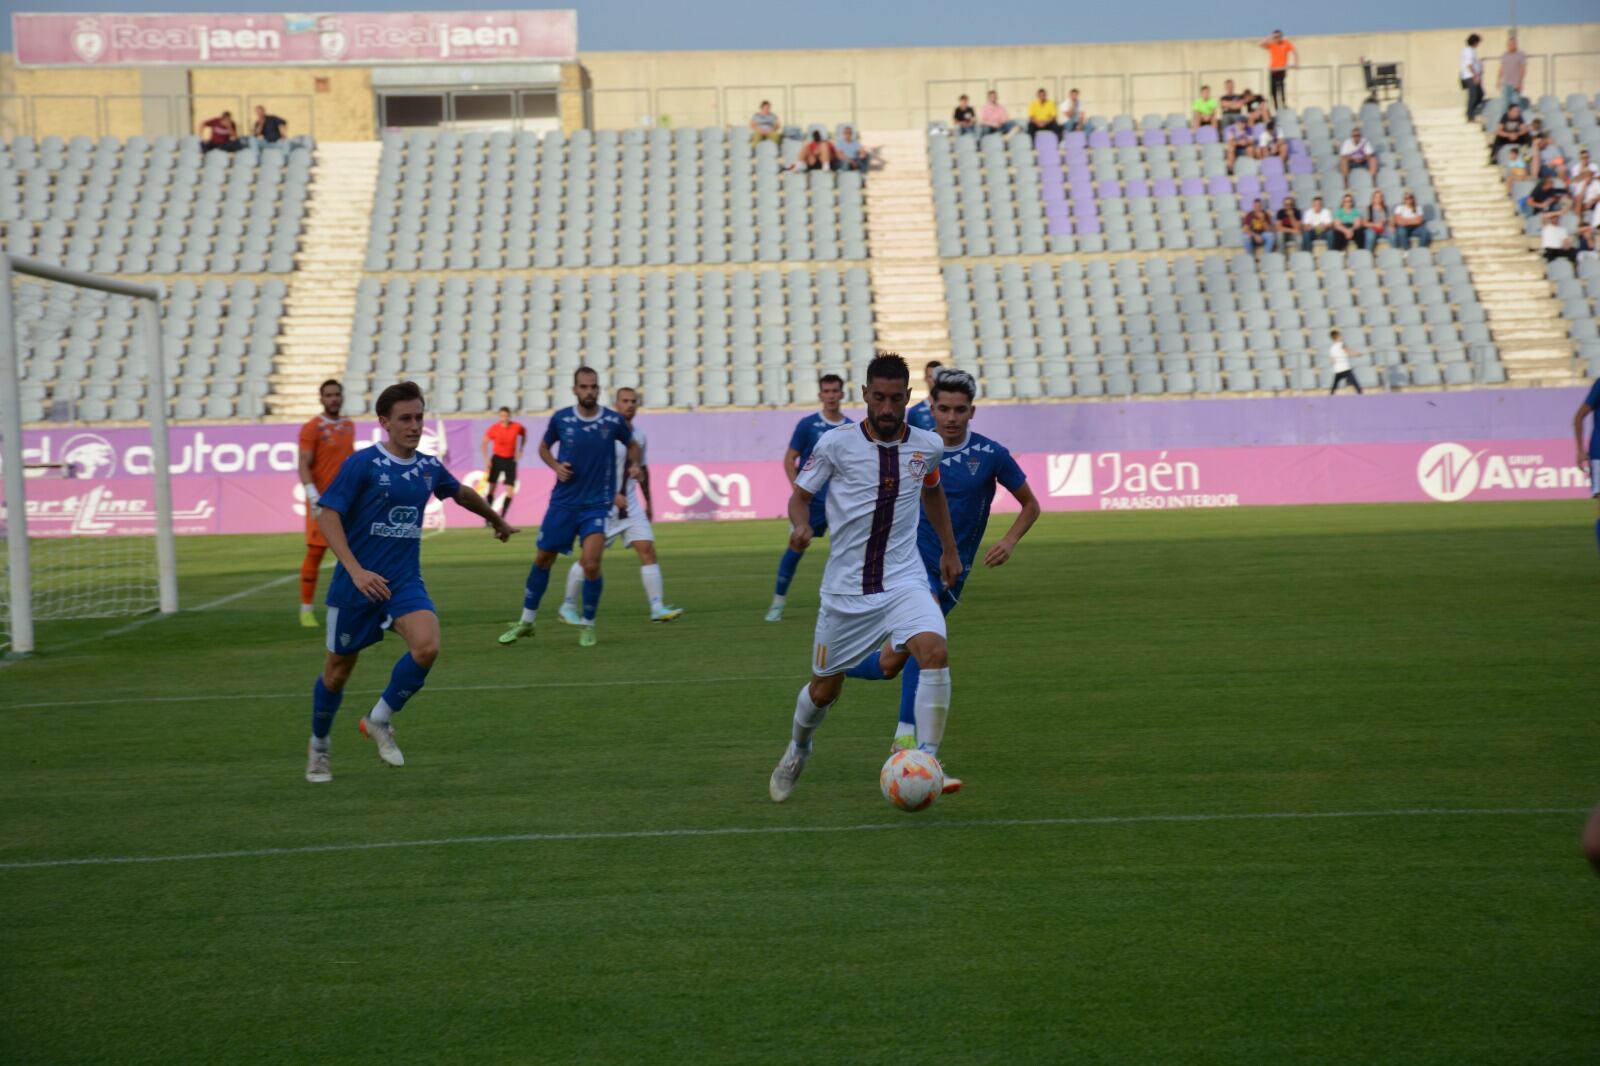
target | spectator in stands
x=1232, y=104
x=1316, y=224
x=852, y=156
x=1258, y=229
x=1589, y=231
x=1544, y=198
x=1255, y=107
x=1516, y=169
x=1545, y=159
x=1346, y=228
x=1555, y=239
x=267, y=129
x=1339, y=356
x=1409, y=224
x=1513, y=129
x=220, y=133
x=818, y=153
x=1280, y=57
x=1267, y=142
x=994, y=118
x=764, y=125
x=1205, y=109
x=1290, y=228
x=1239, y=137
x=1472, y=76
x=1357, y=151
x=1584, y=190
x=1513, y=69
x=1072, y=116
x=1579, y=173
x=965, y=119
x=1042, y=115
x=1377, y=221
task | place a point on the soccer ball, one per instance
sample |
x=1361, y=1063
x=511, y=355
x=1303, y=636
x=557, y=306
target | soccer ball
x=911, y=780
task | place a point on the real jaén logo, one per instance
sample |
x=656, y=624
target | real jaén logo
x=1071, y=475
x=88, y=40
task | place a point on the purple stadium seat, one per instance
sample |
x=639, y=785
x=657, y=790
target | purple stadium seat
x=1053, y=193
x=1206, y=135
x=1154, y=137
x=1297, y=147
x=1249, y=187
x=1301, y=164
x=1221, y=185
x=1088, y=226
x=1137, y=187
x=1055, y=212
x=1074, y=140
x=1046, y=143
x=1164, y=187
x=1182, y=136
x=1192, y=187
x=1099, y=139
x=1125, y=139
x=1108, y=189
x=1272, y=167
x=1058, y=226
x=1276, y=184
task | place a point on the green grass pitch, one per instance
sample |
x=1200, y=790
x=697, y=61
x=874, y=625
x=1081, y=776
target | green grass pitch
x=1126, y=691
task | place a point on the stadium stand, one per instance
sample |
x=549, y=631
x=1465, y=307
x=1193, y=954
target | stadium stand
x=1156, y=185
x=1579, y=292
x=156, y=206
x=1221, y=323
x=608, y=198
x=1571, y=125
x=756, y=337
x=84, y=361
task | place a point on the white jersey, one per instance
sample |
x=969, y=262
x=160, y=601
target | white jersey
x=635, y=505
x=874, y=504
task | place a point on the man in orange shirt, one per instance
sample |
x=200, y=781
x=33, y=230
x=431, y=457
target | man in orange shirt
x=505, y=440
x=325, y=443
x=1280, y=52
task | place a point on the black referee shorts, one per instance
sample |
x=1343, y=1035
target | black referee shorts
x=502, y=469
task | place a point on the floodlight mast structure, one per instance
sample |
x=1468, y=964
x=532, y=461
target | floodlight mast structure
x=20, y=576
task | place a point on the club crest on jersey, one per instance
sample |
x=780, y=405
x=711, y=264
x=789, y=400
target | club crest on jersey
x=919, y=464
x=383, y=479
x=811, y=461
x=972, y=466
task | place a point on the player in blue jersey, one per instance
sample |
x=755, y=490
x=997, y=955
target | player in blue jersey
x=372, y=519
x=580, y=503
x=1589, y=457
x=830, y=391
x=972, y=467
x=920, y=414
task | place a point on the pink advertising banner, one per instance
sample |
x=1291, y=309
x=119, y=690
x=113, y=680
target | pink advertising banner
x=242, y=479
x=245, y=39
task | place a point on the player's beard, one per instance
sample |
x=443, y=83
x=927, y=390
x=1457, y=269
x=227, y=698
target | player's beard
x=589, y=408
x=887, y=425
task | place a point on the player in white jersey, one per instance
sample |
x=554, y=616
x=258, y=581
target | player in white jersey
x=881, y=476
x=628, y=522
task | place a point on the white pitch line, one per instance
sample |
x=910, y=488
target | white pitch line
x=231, y=697
x=779, y=830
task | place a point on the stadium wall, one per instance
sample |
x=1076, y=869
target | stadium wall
x=1391, y=448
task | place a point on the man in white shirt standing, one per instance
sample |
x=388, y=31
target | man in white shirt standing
x=881, y=476
x=1339, y=355
x=1472, y=76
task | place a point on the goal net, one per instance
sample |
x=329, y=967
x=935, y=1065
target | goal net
x=87, y=513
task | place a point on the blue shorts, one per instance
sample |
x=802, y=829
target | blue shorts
x=563, y=525
x=819, y=514
x=357, y=626
x=949, y=598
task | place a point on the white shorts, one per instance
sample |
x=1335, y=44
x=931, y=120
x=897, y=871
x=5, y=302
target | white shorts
x=1594, y=477
x=850, y=628
x=634, y=527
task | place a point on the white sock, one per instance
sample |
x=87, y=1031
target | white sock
x=319, y=743
x=933, y=708
x=779, y=601
x=651, y=576
x=807, y=716
x=305, y=608
x=574, y=584
x=380, y=712
x=528, y=616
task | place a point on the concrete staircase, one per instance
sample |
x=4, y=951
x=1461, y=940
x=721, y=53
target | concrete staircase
x=1524, y=317
x=320, y=306
x=909, y=313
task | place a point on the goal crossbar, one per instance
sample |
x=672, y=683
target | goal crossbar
x=11, y=449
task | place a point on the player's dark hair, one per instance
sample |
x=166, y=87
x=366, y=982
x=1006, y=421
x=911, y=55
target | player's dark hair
x=628, y=389
x=405, y=390
x=1472, y=40
x=505, y=410
x=1334, y=334
x=954, y=380
x=335, y=382
x=888, y=366
x=585, y=370
x=830, y=379
x=932, y=364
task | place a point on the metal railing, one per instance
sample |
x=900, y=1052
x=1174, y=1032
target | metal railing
x=100, y=114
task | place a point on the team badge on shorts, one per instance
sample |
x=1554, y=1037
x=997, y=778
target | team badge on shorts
x=919, y=464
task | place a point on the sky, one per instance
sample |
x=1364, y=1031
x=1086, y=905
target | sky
x=687, y=25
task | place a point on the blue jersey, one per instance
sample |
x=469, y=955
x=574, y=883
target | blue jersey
x=969, y=474
x=806, y=433
x=1593, y=402
x=589, y=445
x=920, y=415
x=382, y=500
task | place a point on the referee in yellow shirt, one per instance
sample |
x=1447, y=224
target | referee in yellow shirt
x=1042, y=115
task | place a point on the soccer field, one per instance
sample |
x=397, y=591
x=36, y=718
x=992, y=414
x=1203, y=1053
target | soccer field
x=1250, y=786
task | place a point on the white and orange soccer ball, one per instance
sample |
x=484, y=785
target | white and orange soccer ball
x=911, y=780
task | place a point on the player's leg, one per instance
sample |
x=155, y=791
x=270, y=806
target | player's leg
x=848, y=629
x=308, y=583
x=1594, y=487
x=650, y=578
x=511, y=486
x=790, y=560
x=569, y=604
x=420, y=630
x=556, y=533
x=810, y=708
x=491, y=479
x=326, y=694
x=1591, y=840
x=594, y=543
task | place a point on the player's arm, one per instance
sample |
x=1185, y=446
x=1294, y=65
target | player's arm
x=369, y=584
x=937, y=508
x=563, y=470
x=469, y=499
x=644, y=491
x=1584, y=411
x=522, y=441
x=635, y=453
x=791, y=464
x=997, y=555
x=307, y=478
x=484, y=445
x=800, y=519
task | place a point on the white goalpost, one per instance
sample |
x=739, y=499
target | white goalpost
x=95, y=345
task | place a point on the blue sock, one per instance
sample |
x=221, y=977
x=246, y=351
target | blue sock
x=908, y=697
x=405, y=681
x=324, y=705
x=786, y=567
x=538, y=581
x=868, y=669
x=591, y=597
